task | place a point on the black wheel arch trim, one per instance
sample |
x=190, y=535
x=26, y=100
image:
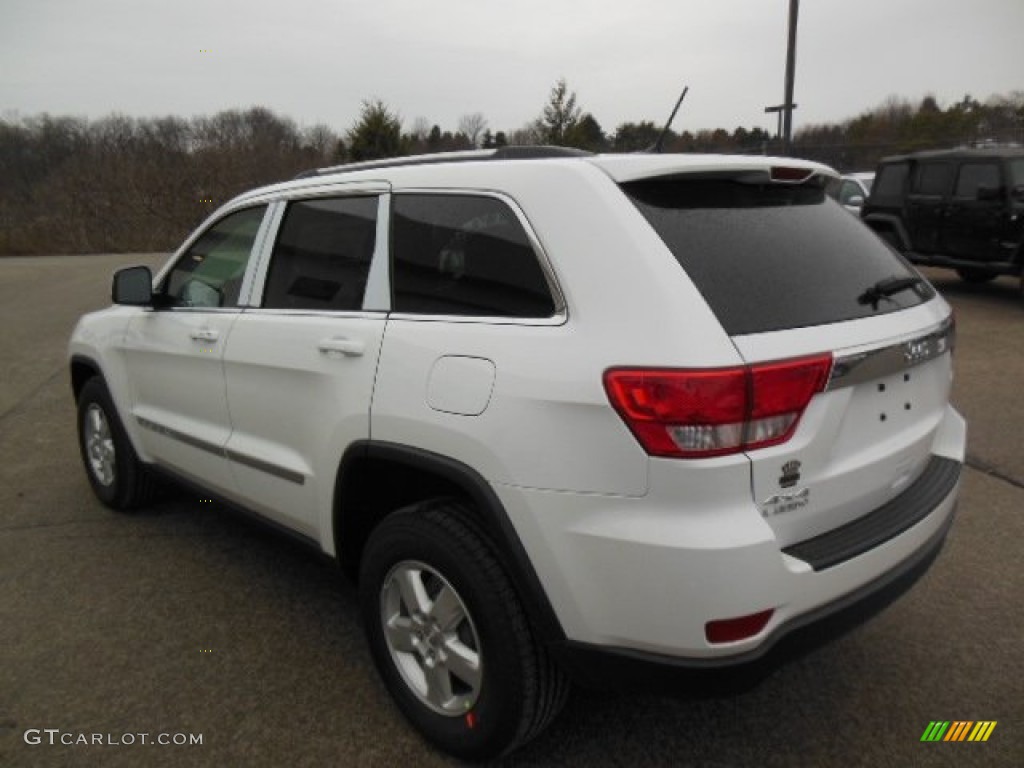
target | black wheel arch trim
x=87, y=362
x=890, y=220
x=492, y=517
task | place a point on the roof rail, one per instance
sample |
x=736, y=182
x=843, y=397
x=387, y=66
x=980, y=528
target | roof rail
x=501, y=153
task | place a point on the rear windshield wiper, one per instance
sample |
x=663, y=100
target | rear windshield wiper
x=884, y=289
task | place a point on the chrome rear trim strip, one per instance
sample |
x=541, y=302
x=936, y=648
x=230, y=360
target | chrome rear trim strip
x=850, y=370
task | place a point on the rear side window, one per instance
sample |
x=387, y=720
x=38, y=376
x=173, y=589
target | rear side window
x=322, y=256
x=973, y=176
x=464, y=255
x=1017, y=169
x=932, y=178
x=889, y=183
x=769, y=257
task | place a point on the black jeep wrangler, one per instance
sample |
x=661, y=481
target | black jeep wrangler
x=958, y=208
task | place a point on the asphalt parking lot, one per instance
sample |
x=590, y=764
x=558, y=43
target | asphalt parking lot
x=186, y=619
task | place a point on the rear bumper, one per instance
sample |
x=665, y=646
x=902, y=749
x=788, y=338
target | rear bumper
x=935, y=484
x=646, y=575
x=603, y=667
x=635, y=581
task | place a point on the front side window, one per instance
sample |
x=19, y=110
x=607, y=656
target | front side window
x=322, y=256
x=974, y=176
x=211, y=271
x=464, y=255
x=889, y=183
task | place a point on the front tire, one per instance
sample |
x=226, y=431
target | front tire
x=449, y=635
x=115, y=473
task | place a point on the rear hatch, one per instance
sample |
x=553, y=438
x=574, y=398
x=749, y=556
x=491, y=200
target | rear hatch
x=790, y=274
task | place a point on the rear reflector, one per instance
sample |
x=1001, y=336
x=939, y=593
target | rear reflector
x=732, y=630
x=704, y=413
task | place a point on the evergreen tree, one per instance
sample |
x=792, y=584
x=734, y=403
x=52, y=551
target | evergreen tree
x=377, y=134
x=560, y=116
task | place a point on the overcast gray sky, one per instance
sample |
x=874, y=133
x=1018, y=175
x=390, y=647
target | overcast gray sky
x=317, y=60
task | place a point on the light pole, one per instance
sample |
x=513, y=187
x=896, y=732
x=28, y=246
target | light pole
x=789, y=106
x=784, y=111
x=778, y=109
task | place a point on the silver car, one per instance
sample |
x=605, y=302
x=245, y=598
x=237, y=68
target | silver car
x=852, y=190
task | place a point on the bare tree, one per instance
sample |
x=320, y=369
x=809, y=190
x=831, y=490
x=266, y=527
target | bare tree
x=319, y=141
x=472, y=126
x=420, y=129
x=528, y=135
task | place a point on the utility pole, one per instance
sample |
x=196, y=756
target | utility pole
x=778, y=109
x=789, y=106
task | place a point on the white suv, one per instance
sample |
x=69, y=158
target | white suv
x=562, y=416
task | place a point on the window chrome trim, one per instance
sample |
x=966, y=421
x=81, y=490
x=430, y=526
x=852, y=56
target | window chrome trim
x=279, y=206
x=231, y=455
x=553, y=321
x=298, y=189
x=850, y=370
x=356, y=314
x=377, y=295
x=561, y=312
x=198, y=310
x=256, y=280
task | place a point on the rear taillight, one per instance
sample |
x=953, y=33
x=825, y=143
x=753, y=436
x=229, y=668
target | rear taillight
x=703, y=413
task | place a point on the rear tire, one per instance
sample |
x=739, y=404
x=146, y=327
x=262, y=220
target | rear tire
x=115, y=473
x=969, y=275
x=449, y=635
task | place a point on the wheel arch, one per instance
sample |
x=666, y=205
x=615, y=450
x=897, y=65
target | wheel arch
x=82, y=369
x=880, y=223
x=376, y=478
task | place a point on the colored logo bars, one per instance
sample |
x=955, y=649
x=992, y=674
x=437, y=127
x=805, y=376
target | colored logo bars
x=958, y=730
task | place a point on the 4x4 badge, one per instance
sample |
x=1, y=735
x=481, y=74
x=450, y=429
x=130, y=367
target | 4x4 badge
x=786, y=502
x=790, y=474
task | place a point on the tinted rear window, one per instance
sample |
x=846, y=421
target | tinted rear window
x=321, y=260
x=973, y=176
x=464, y=255
x=769, y=257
